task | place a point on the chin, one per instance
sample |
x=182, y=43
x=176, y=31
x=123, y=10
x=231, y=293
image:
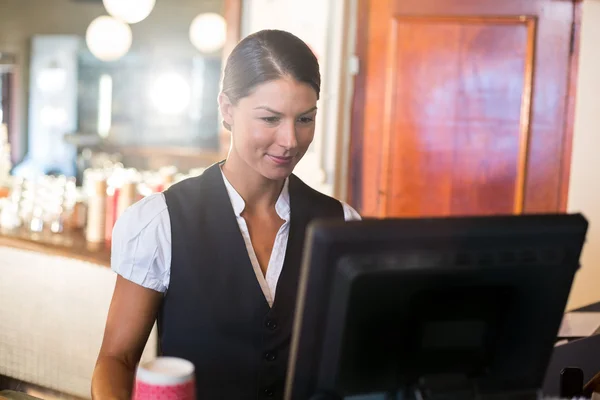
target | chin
x=277, y=173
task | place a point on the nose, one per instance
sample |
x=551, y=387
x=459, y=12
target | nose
x=287, y=136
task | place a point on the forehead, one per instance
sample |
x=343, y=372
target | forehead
x=283, y=95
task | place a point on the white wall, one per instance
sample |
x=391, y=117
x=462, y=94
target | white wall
x=584, y=188
x=323, y=28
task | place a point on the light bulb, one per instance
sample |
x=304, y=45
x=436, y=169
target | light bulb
x=108, y=38
x=170, y=93
x=208, y=32
x=130, y=11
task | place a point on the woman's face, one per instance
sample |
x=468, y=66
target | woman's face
x=273, y=126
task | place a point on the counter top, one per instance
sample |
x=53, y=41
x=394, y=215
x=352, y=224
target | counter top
x=71, y=244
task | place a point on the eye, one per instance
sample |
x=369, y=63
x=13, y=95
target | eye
x=305, y=120
x=270, y=120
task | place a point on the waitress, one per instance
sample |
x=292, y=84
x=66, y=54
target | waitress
x=215, y=259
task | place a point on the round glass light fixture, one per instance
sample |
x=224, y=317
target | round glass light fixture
x=130, y=11
x=208, y=32
x=108, y=38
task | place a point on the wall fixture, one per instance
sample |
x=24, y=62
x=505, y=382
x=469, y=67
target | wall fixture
x=105, y=88
x=208, y=32
x=53, y=117
x=108, y=38
x=52, y=78
x=130, y=11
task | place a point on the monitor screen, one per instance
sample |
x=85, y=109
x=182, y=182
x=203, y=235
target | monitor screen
x=441, y=305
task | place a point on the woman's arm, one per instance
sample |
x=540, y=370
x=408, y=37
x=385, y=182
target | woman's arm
x=132, y=313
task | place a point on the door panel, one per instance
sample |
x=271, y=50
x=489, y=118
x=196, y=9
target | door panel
x=463, y=113
x=456, y=136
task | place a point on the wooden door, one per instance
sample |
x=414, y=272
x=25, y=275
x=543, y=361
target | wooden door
x=462, y=107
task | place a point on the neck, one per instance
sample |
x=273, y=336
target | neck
x=258, y=192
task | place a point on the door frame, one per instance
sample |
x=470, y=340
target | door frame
x=11, y=87
x=232, y=12
x=567, y=148
x=355, y=159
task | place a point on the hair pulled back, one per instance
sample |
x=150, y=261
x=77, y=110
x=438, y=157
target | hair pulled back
x=265, y=56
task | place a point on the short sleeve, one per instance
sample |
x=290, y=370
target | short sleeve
x=350, y=214
x=141, y=244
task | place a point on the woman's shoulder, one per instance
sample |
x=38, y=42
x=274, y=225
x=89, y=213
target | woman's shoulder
x=350, y=214
x=141, y=243
x=145, y=210
x=148, y=213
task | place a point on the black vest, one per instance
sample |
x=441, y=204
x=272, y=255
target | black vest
x=214, y=313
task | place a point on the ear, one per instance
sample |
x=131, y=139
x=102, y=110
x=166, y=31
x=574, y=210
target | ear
x=226, y=108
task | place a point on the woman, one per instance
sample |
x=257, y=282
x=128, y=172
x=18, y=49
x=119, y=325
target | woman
x=216, y=258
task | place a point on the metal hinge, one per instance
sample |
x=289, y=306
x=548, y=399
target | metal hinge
x=354, y=65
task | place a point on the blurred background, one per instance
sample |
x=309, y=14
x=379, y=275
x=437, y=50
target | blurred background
x=428, y=108
x=108, y=85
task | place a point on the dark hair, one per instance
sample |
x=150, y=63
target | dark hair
x=265, y=56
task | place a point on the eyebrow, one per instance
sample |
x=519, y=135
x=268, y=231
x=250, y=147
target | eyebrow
x=279, y=113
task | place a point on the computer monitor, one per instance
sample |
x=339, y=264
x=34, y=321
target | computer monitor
x=465, y=306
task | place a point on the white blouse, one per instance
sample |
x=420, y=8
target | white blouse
x=141, y=241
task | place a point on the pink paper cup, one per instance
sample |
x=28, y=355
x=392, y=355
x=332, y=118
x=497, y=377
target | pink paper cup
x=165, y=378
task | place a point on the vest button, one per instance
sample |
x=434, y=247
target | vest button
x=269, y=392
x=271, y=324
x=270, y=356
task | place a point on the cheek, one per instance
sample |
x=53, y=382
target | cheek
x=305, y=136
x=256, y=135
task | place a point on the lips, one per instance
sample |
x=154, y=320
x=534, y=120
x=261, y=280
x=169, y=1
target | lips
x=280, y=160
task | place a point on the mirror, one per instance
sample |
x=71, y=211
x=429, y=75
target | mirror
x=155, y=105
x=136, y=102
